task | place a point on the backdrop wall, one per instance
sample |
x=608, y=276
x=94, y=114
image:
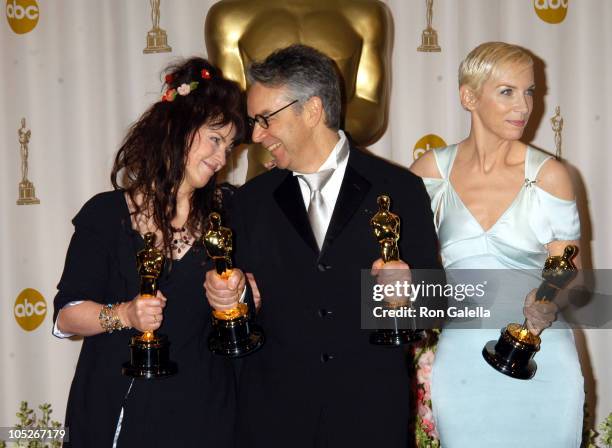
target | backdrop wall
x=75, y=70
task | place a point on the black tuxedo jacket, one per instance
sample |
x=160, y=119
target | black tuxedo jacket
x=317, y=381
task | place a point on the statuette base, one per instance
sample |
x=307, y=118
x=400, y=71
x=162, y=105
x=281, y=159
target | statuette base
x=157, y=42
x=512, y=355
x=149, y=359
x=429, y=41
x=235, y=338
x=395, y=338
x=27, y=194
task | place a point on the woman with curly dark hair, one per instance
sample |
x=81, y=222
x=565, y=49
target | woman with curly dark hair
x=164, y=183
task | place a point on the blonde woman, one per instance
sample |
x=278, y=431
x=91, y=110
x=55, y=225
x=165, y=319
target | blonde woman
x=501, y=204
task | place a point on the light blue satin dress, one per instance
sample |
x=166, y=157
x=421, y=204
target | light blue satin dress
x=473, y=404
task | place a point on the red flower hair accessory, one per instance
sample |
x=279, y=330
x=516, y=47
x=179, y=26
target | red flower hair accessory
x=169, y=95
x=183, y=89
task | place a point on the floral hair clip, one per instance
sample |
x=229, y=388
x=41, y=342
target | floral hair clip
x=184, y=89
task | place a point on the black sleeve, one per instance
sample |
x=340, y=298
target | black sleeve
x=86, y=269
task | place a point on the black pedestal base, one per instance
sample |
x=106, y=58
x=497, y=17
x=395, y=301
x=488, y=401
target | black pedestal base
x=235, y=338
x=395, y=338
x=511, y=356
x=149, y=359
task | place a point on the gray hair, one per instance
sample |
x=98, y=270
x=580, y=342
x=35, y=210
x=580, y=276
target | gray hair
x=305, y=72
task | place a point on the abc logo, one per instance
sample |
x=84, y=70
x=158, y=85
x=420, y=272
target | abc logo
x=22, y=15
x=551, y=11
x=430, y=141
x=30, y=309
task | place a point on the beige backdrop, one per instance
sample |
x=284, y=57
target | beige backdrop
x=76, y=71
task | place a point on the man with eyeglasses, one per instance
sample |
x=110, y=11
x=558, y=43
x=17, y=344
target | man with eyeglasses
x=303, y=235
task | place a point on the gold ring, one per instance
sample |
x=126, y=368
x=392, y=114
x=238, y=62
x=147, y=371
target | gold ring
x=155, y=318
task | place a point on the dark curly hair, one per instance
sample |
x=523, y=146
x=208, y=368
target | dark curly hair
x=151, y=160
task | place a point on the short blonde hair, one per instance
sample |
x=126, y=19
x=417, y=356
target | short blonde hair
x=487, y=59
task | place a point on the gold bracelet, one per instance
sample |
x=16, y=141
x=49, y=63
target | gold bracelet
x=109, y=319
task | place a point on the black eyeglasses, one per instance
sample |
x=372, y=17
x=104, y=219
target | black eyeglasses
x=262, y=120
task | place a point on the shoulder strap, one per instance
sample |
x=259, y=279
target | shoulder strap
x=534, y=159
x=445, y=158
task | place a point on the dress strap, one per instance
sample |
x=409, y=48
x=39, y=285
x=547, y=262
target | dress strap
x=534, y=159
x=444, y=159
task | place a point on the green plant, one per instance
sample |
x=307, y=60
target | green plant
x=602, y=439
x=30, y=421
x=605, y=436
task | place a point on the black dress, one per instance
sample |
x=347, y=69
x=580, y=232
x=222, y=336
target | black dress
x=196, y=407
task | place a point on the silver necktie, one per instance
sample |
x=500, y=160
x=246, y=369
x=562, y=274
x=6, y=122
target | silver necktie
x=317, y=211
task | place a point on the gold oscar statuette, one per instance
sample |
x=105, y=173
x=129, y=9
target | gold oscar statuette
x=429, y=36
x=27, y=195
x=149, y=350
x=386, y=227
x=512, y=354
x=233, y=334
x=157, y=39
x=557, y=126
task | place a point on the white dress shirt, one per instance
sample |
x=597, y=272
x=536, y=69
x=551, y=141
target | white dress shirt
x=56, y=331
